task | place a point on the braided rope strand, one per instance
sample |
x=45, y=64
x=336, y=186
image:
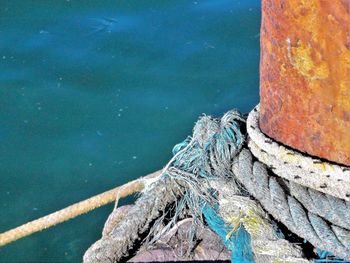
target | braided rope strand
x=287, y=209
x=329, y=178
x=332, y=209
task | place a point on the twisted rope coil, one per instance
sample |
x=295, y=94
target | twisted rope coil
x=326, y=177
x=274, y=196
x=311, y=195
x=333, y=209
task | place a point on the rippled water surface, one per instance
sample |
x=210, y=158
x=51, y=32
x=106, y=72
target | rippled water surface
x=96, y=93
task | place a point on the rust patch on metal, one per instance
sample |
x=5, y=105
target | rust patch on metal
x=305, y=76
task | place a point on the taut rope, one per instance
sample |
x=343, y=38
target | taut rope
x=77, y=209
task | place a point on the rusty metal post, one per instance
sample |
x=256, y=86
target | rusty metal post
x=305, y=76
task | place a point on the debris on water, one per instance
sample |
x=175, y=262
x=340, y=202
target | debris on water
x=39, y=106
x=207, y=45
x=104, y=25
x=134, y=157
x=99, y=133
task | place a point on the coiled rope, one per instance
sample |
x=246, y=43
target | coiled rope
x=274, y=197
x=329, y=178
x=187, y=187
x=285, y=182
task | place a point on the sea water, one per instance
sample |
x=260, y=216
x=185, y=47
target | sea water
x=94, y=94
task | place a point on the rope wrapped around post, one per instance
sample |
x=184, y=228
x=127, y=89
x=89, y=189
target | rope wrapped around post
x=273, y=195
x=216, y=151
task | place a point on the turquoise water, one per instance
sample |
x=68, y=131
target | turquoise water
x=96, y=93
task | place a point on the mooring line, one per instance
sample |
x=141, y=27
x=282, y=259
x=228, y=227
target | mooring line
x=76, y=209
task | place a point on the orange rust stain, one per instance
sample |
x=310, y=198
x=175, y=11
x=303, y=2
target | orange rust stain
x=305, y=75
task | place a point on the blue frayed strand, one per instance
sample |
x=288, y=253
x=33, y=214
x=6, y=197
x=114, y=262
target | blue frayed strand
x=327, y=257
x=208, y=155
x=238, y=243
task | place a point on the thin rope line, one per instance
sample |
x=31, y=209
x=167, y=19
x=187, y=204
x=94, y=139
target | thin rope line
x=76, y=209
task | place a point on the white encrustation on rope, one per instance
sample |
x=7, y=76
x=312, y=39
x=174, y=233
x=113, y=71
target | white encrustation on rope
x=326, y=177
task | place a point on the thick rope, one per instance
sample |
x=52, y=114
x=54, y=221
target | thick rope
x=272, y=194
x=329, y=178
x=206, y=155
x=334, y=210
x=149, y=210
x=198, y=162
x=76, y=209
